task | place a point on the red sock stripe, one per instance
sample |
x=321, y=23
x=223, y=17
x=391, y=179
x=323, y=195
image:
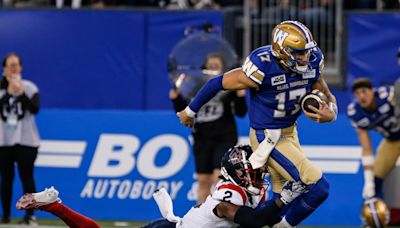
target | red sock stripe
x=70, y=217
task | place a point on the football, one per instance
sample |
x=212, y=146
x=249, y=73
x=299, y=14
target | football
x=313, y=99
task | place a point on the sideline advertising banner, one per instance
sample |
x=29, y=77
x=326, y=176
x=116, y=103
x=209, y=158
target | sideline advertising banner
x=107, y=164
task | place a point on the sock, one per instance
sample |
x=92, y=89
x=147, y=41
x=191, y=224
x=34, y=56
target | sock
x=302, y=207
x=70, y=217
x=378, y=187
x=285, y=208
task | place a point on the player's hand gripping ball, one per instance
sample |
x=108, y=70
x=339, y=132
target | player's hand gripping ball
x=314, y=99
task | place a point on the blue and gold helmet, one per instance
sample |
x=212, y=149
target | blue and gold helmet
x=291, y=38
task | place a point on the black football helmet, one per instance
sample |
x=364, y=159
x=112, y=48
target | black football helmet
x=235, y=167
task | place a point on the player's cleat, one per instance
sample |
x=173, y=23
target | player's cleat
x=29, y=220
x=36, y=200
x=283, y=224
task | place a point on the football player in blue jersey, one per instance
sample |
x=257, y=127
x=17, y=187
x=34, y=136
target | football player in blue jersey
x=397, y=91
x=374, y=110
x=278, y=76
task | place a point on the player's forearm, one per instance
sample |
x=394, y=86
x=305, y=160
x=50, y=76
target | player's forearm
x=232, y=80
x=249, y=217
x=367, y=156
x=206, y=93
x=367, y=159
x=331, y=98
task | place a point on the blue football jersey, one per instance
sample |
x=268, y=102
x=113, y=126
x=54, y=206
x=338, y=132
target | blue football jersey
x=382, y=119
x=276, y=103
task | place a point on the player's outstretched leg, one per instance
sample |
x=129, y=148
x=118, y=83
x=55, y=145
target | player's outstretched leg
x=288, y=162
x=299, y=168
x=48, y=200
x=308, y=202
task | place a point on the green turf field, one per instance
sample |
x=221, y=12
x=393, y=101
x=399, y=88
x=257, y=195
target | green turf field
x=52, y=223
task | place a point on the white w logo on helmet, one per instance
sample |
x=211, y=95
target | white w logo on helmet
x=280, y=36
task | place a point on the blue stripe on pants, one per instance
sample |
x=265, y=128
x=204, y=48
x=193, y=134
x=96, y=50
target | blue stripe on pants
x=280, y=158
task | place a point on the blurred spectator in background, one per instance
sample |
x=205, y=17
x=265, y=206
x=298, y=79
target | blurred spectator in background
x=192, y=4
x=360, y=4
x=215, y=130
x=19, y=137
x=371, y=4
x=397, y=91
x=24, y=3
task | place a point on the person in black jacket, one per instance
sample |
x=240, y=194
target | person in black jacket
x=19, y=137
x=215, y=129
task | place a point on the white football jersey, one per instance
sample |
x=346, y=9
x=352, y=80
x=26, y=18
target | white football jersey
x=202, y=216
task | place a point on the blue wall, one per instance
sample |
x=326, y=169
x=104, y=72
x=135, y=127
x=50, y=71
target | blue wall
x=373, y=42
x=98, y=59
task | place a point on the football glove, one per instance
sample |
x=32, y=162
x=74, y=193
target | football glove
x=369, y=184
x=291, y=190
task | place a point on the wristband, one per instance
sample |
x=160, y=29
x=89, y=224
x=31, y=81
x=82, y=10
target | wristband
x=369, y=176
x=333, y=107
x=189, y=112
x=367, y=160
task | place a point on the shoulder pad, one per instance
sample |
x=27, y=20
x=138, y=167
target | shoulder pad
x=351, y=109
x=229, y=192
x=253, y=65
x=357, y=120
x=385, y=92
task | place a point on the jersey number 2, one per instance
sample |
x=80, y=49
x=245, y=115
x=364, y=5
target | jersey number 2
x=227, y=196
x=296, y=94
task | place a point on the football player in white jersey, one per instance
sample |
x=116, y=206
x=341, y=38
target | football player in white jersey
x=233, y=203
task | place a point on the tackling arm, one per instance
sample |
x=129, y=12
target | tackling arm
x=249, y=217
x=264, y=215
x=367, y=159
